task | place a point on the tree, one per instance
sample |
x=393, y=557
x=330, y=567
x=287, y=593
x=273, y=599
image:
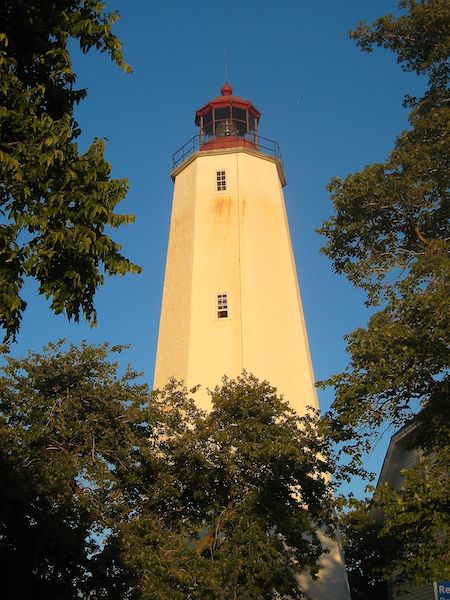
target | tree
x=55, y=202
x=69, y=438
x=390, y=236
x=250, y=492
x=366, y=553
x=416, y=516
x=111, y=492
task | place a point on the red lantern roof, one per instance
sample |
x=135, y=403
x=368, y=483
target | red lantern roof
x=228, y=122
x=226, y=99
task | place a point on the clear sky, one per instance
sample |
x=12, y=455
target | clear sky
x=332, y=108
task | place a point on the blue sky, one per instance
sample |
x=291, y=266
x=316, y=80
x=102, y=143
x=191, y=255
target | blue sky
x=332, y=108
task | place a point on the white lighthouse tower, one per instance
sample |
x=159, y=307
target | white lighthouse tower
x=231, y=299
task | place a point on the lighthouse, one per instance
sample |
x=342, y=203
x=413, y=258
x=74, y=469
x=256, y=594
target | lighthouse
x=231, y=299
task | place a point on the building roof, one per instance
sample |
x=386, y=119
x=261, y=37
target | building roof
x=226, y=99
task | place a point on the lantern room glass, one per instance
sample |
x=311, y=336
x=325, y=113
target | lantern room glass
x=228, y=121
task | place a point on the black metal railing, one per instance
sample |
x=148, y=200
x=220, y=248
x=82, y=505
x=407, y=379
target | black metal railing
x=249, y=140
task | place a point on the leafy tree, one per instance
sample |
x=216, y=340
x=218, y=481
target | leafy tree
x=111, y=492
x=69, y=438
x=416, y=516
x=366, y=552
x=250, y=493
x=56, y=203
x=389, y=235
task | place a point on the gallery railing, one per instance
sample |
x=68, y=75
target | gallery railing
x=206, y=142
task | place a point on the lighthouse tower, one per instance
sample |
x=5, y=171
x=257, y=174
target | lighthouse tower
x=231, y=299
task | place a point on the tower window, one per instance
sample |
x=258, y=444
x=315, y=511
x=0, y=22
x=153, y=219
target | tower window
x=222, y=306
x=221, y=181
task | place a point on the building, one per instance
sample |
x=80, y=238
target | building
x=402, y=455
x=231, y=299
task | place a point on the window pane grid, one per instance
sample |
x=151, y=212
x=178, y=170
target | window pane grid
x=221, y=181
x=222, y=306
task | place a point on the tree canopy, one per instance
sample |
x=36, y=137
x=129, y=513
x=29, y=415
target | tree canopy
x=366, y=553
x=416, y=522
x=389, y=235
x=110, y=491
x=56, y=204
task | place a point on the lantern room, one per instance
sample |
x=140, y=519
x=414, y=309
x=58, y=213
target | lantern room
x=227, y=121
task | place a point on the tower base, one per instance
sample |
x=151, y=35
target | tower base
x=332, y=583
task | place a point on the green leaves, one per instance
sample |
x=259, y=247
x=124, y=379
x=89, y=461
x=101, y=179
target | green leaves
x=400, y=535
x=111, y=491
x=389, y=235
x=57, y=204
x=417, y=516
x=386, y=214
x=264, y=491
x=420, y=38
x=66, y=446
x=366, y=552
